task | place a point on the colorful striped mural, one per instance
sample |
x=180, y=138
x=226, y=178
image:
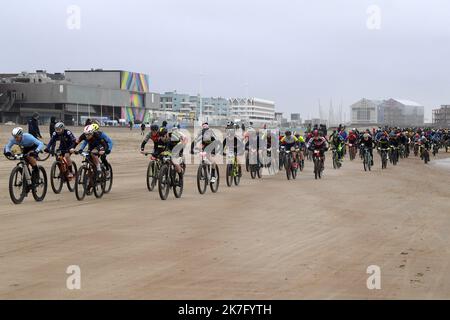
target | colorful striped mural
x=133, y=114
x=131, y=81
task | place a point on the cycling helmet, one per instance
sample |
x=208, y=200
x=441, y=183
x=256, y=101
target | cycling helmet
x=205, y=125
x=230, y=124
x=17, y=132
x=89, y=129
x=288, y=133
x=59, y=125
x=366, y=136
x=35, y=115
x=154, y=127
x=96, y=127
x=316, y=133
x=95, y=121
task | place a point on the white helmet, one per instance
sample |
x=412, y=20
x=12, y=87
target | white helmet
x=90, y=129
x=17, y=132
x=59, y=125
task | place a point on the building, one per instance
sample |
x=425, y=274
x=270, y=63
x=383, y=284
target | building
x=400, y=113
x=254, y=110
x=76, y=95
x=441, y=116
x=212, y=109
x=365, y=112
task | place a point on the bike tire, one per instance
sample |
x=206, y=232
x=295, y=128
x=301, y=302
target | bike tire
x=229, y=174
x=99, y=186
x=178, y=184
x=202, y=180
x=152, y=175
x=43, y=176
x=237, y=177
x=164, y=182
x=81, y=183
x=13, y=180
x=75, y=170
x=109, y=180
x=56, y=178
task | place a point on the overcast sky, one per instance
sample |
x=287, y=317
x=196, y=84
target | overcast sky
x=292, y=52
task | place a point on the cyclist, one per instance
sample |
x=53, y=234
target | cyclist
x=207, y=137
x=109, y=144
x=30, y=147
x=152, y=135
x=383, y=144
x=67, y=142
x=165, y=144
x=290, y=141
x=337, y=143
x=95, y=144
x=317, y=142
x=367, y=142
x=238, y=145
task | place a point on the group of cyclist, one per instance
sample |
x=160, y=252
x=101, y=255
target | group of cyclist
x=170, y=140
x=98, y=143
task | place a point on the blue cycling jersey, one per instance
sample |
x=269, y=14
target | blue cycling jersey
x=103, y=136
x=27, y=141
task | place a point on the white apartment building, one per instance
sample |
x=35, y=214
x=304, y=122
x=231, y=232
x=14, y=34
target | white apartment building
x=252, y=110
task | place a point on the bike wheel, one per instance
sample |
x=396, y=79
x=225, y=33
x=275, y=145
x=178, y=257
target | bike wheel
x=81, y=182
x=215, y=186
x=202, y=179
x=17, y=185
x=365, y=163
x=229, y=174
x=71, y=183
x=152, y=175
x=108, y=179
x=100, y=184
x=39, y=190
x=237, y=177
x=164, y=182
x=56, y=178
x=252, y=171
x=178, y=184
x=247, y=163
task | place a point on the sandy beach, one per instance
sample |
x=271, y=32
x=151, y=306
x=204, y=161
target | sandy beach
x=265, y=239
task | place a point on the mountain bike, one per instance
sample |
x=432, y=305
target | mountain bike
x=424, y=154
x=384, y=157
x=21, y=181
x=318, y=164
x=204, y=174
x=169, y=178
x=291, y=164
x=367, y=161
x=88, y=181
x=59, y=173
x=336, y=162
x=234, y=170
